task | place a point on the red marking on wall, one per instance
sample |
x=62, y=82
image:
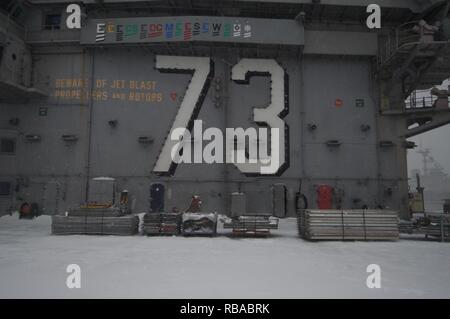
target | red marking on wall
x=325, y=197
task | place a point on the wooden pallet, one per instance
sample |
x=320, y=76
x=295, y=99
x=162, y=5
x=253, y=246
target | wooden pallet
x=257, y=226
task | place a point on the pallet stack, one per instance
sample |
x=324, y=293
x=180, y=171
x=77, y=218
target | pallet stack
x=348, y=225
x=439, y=226
x=251, y=225
x=406, y=226
x=96, y=212
x=156, y=224
x=95, y=225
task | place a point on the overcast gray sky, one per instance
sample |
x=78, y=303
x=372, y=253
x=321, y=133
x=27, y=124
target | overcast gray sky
x=438, y=141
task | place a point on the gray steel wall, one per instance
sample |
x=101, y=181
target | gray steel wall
x=358, y=167
x=334, y=66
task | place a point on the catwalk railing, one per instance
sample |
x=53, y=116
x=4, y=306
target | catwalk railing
x=16, y=76
x=421, y=99
x=52, y=34
x=400, y=40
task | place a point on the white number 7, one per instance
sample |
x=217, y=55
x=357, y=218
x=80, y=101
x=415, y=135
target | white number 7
x=203, y=72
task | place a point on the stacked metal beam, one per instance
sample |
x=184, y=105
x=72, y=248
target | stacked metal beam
x=198, y=224
x=87, y=225
x=161, y=224
x=96, y=212
x=251, y=225
x=406, y=226
x=439, y=226
x=348, y=225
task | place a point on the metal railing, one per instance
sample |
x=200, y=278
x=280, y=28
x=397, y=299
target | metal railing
x=10, y=26
x=421, y=99
x=420, y=102
x=44, y=34
x=11, y=74
x=40, y=82
x=16, y=76
x=401, y=39
x=52, y=33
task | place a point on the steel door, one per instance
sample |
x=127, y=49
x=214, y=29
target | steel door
x=157, y=197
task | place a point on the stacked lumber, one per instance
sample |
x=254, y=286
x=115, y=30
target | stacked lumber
x=251, y=225
x=161, y=224
x=348, y=225
x=87, y=225
x=195, y=224
x=95, y=212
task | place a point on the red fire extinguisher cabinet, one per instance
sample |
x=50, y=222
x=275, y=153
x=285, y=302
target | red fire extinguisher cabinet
x=325, y=197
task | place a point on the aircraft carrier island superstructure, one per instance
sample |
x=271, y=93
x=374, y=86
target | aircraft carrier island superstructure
x=101, y=101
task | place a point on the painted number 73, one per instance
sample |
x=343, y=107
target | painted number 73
x=271, y=116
